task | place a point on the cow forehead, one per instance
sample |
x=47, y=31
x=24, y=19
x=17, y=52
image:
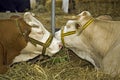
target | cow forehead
x=70, y=22
x=69, y=27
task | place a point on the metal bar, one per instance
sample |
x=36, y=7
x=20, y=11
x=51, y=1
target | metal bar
x=53, y=17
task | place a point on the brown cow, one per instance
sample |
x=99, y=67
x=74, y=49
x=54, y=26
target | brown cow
x=21, y=42
x=13, y=39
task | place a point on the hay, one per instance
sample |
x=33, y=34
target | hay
x=63, y=66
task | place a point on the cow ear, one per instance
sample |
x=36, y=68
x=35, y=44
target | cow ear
x=84, y=13
x=27, y=18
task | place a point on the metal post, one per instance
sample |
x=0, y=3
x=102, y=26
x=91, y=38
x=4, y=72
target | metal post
x=53, y=17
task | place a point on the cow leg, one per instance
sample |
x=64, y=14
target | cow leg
x=111, y=62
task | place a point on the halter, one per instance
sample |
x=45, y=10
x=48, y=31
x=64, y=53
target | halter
x=45, y=45
x=65, y=34
x=34, y=41
x=73, y=32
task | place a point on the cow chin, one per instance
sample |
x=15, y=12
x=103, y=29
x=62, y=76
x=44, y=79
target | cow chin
x=54, y=47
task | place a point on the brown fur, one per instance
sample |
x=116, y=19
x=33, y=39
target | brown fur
x=11, y=40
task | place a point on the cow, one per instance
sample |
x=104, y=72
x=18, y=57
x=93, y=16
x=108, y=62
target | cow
x=39, y=33
x=17, y=5
x=22, y=39
x=12, y=41
x=95, y=40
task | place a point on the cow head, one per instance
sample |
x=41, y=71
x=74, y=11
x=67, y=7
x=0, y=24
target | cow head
x=77, y=33
x=69, y=34
x=72, y=34
x=40, y=40
x=76, y=26
x=39, y=33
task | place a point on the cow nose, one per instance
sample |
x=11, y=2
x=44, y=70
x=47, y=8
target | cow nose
x=60, y=45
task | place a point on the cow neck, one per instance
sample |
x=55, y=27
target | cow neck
x=73, y=32
x=24, y=34
x=45, y=45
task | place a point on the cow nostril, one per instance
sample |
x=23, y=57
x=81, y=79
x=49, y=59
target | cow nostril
x=60, y=45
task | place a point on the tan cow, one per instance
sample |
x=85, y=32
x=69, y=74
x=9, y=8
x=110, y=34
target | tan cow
x=96, y=40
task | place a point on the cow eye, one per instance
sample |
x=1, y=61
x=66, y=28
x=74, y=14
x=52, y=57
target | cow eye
x=77, y=26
